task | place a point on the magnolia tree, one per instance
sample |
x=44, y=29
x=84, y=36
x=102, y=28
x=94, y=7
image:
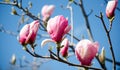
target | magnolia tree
x=60, y=34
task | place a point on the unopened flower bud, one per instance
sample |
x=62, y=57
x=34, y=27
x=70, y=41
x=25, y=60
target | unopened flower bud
x=47, y=11
x=57, y=27
x=110, y=9
x=28, y=33
x=102, y=56
x=13, y=59
x=14, y=12
x=64, y=49
x=86, y=50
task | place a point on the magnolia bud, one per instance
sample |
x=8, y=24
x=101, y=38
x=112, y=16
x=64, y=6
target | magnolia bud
x=102, y=56
x=110, y=8
x=64, y=49
x=14, y=12
x=86, y=50
x=13, y=60
x=57, y=27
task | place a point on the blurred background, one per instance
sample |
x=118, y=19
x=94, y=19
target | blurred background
x=9, y=44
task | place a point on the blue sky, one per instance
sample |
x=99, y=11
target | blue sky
x=9, y=44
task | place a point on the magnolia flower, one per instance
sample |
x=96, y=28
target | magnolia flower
x=64, y=49
x=85, y=51
x=57, y=27
x=47, y=10
x=110, y=9
x=28, y=33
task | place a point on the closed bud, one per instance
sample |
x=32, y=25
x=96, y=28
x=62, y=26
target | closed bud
x=22, y=19
x=102, y=56
x=110, y=8
x=85, y=51
x=13, y=59
x=14, y=12
x=64, y=49
x=57, y=27
x=28, y=33
x=19, y=4
x=47, y=11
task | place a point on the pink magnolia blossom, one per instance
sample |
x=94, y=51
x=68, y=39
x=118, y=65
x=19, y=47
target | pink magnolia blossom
x=57, y=27
x=85, y=51
x=64, y=49
x=28, y=33
x=47, y=10
x=110, y=9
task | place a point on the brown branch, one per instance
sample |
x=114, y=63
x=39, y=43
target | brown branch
x=109, y=40
x=26, y=11
x=36, y=18
x=88, y=26
x=86, y=21
x=73, y=37
x=36, y=55
x=69, y=63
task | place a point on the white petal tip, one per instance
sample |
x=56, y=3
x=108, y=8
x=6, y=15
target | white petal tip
x=46, y=41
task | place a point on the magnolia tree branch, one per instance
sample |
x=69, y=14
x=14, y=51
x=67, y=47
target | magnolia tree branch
x=2, y=29
x=88, y=27
x=55, y=56
x=86, y=20
x=109, y=40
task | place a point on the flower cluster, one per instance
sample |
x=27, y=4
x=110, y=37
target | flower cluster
x=57, y=27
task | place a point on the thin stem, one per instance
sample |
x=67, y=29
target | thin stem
x=69, y=63
x=86, y=21
x=36, y=55
x=24, y=10
x=88, y=26
x=73, y=37
x=109, y=40
x=58, y=49
x=71, y=20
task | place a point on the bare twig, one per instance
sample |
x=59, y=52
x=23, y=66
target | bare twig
x=36, y=55
x=7, y=32
x=109, y=40
x=86, y=20
x=24, y=10
x=88, y=27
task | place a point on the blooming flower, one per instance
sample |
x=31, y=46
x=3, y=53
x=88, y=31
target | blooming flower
x=110, y=9
x=28, y=33
x=85, y=51
x=57, y=27
x=64, y=49
x=47, y=10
